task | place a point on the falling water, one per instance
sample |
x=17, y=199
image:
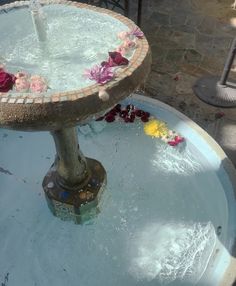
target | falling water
x=39, y=20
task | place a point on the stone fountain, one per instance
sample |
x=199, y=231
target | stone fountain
x=74, y=183
x=167, y=215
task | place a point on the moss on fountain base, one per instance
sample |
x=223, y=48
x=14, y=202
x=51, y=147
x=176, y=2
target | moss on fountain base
x=80, y=203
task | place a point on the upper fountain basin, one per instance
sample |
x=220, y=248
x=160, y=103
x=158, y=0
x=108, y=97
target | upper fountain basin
x=79, y=36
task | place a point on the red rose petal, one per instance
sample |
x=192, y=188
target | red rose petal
x=179, y=139
x=112, y=112
x=110, y=118
x=139, y=112
x=172, y=143
x=144, y=118
x=123, y=113
x=116, y=59
x=126, y=119
x=7, y=81
x=118, y=107
x=130, y=107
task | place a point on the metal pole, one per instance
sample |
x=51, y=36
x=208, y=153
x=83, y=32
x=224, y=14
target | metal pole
x=228, y=63
x=140, y=5
x=127, y=8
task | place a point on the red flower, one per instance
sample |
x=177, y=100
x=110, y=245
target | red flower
x=116, y=59
x=139, y=112
x=179, y=139
x=172, y=143
x=123, y=113
x=176, y=141
x=145, y=118
x=110, y=118
x=7, y=81
x=117, y=108
x=130, y=107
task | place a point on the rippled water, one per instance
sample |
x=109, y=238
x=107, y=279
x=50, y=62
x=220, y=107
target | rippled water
x=77, y=39
x=157, y=217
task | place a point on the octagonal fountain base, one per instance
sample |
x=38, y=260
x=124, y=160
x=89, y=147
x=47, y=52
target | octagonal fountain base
x=78, y=204
x=167, y=216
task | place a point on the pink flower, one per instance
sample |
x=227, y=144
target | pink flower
x=123, y=35
x=122, y=50
x=22, y=75
x=38, y=84
x=178, y=139
x=125, y=47
x=128, y=44
x=101, y=74
x=7, y=80
x=116, y=59
x=22, y=83
x=137, y=33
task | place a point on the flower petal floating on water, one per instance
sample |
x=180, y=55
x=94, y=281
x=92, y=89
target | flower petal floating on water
x=116, y=59
x=156, y=128
x=129, y=44
x=22, y=82
x=101, y=74
x=177, y=139
x=123, y=35
x=110, y=118
x=38, y=84
x=137, y=33
x=122, y=50
x=7, y=80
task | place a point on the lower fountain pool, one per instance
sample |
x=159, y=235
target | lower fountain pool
x=166, y=216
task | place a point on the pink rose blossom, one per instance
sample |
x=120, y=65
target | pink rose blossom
x=38, y=84
x=137, y=33
x=128, y=44
x=101, y=74
x=22, y=84
x=22, y=75
x=116, y=59
x=122, y=50
x=123, y=35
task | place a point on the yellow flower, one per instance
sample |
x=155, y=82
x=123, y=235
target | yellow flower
x=156, y=128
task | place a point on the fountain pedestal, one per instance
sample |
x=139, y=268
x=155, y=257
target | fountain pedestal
x=74, y=183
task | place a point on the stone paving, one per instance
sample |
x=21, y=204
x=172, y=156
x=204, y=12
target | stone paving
x=189, y=39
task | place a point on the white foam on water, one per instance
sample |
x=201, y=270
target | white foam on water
x=172, y=251
x=176, y=160
x=154, y=227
